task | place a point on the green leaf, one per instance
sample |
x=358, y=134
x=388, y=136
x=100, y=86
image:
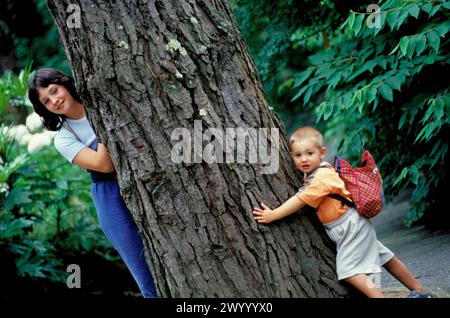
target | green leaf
x=428, y=7
x=414, y=172
x=351, y=20
x=436, y=147
x=404, y=44
x=308, y=94
x=429, y=111
x=402, y=17
x=392, y=17
x=433, y=40
x=334, y=80
x=357, y=73
x=301, y=77
x=411, y=46
x=414, y=11
x=320, y=57
x=371, y=93
x=286, y=85
x=447, y=105
x=358, y=23
x=435, y=9
x=325, y=71
x=15, y=228
x=439, y=109
x=421, y=42
x=426, y=132
x=437, y=157
x=347, y=100
x=430, y=59
x=342, y=25
x=329, y=107
x=395, y=49
x=382, y=18
x=361, y=107
x=442, y=29
x=394, y=82
x=358, y=95
x=412, y=114
x=300, y=92
x=17, y=197
x=402, y=121
x=402, y=175
x=386, y=92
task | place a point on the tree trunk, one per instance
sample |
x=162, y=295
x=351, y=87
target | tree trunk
x=146, y=68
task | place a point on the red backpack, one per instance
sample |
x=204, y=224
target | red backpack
x=364, y=184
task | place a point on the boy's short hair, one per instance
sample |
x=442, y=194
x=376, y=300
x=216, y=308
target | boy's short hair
x=307, y=133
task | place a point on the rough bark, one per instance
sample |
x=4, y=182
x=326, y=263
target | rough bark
x=195, y=219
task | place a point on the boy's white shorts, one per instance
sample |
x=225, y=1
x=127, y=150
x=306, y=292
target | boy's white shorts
x=358, y=250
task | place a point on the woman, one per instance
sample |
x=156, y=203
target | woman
x=55, y=99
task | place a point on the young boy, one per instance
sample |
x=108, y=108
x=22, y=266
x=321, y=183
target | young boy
x=359, y=253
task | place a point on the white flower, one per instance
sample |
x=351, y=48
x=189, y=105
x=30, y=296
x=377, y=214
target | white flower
x=50, y=133
x=4, y=188
x=6, y=130
x=25, y=139
x=38, y=141
x=33, y=122
x=16, y=132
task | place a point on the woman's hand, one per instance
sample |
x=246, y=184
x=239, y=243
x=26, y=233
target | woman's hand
x=265, y=215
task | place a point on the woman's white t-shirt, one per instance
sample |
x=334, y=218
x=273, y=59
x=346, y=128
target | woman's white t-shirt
x=67, y=144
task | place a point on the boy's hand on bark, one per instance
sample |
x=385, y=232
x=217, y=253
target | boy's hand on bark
x=264, y=215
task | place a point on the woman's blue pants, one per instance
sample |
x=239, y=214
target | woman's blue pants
x=119, y=227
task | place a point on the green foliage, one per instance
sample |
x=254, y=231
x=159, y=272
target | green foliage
x=13, y=90
x=59, y=194
x=385, y=89
x=28, y=35
x=274, y=40
x=49, y=209
x=44, y=50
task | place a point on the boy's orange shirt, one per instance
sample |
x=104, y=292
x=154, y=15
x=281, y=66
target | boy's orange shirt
x=315, y=191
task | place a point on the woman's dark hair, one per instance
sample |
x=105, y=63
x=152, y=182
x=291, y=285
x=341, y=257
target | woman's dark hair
x=43, y=78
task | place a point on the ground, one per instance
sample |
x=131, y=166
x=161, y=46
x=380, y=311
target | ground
x=425, y=252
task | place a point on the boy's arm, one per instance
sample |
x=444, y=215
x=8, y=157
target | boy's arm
x=267, y=215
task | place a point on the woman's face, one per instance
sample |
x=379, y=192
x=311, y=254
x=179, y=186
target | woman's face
x=56, y=98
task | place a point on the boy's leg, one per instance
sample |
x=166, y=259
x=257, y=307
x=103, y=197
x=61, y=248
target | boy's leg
x=399, y=270
x=364, y=284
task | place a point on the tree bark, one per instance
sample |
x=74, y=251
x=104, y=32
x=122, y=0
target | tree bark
x=145, y=68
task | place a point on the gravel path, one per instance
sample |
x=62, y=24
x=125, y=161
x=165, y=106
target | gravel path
x=426, y=253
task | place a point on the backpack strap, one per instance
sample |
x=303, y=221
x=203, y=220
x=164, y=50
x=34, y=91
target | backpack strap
x=342, y=199
x=335, y=196
x=337, y=163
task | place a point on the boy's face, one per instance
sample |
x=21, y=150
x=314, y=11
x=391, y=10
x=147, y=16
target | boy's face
x=307, y=155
